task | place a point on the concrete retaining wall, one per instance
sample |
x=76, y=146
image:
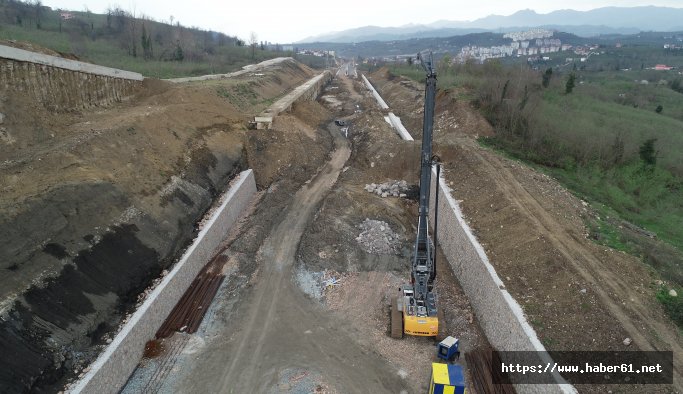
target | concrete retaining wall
x=244, y=70
x=308, y=91
x=499, y=315
x=113, y=367
x=66, y=64
x=398, y=126
x=379, y=98
x=62, y=84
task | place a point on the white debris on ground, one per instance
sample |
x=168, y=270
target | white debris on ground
x=388, y=189
x=310, y=282
x=377, y=237
x=315, y=283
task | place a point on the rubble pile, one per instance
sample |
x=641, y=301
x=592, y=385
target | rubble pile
x=388, y=189
x=377, y=237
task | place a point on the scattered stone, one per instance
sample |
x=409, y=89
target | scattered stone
x=673, y=293
x=627, y=341
x=391, y=188
x=377, y=237
x=659, y=282
x=2, y=118
x=583, y=291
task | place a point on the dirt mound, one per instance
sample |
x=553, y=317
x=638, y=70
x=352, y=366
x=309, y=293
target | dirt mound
x=377, y=237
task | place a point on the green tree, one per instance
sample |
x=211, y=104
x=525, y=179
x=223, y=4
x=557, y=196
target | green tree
x=546, y=77
x=146, y=43
x=178, y=53
x=647, y=152
x=505, y=90
x=659, y=109
x=444, y=64
x=569, y=87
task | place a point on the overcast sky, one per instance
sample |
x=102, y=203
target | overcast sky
x=285, y=21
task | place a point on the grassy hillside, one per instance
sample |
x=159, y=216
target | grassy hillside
x=122, y=40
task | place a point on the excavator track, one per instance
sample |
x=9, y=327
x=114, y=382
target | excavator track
x=443, y=332
x=396, y=319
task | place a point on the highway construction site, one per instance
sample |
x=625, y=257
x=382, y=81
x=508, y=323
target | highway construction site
x=296, y=296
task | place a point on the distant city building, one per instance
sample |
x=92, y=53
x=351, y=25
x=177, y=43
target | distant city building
x=526, y=43
x=529, y=34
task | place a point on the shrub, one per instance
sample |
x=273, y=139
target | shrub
x=570, y=83
x=647, y=152
x=672, y=305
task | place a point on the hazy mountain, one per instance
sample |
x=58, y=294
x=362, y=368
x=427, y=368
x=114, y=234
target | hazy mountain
x=607, y=20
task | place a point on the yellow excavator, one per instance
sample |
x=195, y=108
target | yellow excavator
x=414, y=310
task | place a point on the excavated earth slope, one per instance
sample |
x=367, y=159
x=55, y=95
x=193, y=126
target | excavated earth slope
x=96, y=204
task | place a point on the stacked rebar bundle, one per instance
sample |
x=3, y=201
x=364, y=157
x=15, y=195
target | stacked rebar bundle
x=189, y=312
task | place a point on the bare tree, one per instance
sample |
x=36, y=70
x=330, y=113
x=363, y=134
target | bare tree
x=37, y=10
x=253, y=41
x=132, y=35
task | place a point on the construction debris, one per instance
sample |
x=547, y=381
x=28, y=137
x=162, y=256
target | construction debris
x=391, y=188
x=377, y=237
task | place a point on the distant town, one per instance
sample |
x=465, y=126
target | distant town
x=533, y=42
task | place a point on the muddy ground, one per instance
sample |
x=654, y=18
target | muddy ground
x=576, y=294
x=96, y=204
x=274, y=325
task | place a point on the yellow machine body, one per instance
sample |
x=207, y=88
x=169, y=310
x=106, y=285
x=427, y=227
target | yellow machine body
x=420, y=326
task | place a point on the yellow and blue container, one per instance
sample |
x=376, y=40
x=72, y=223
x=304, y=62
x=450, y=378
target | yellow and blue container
x=447, y=379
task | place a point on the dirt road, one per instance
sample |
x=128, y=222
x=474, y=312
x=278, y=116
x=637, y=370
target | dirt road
x=277, y=328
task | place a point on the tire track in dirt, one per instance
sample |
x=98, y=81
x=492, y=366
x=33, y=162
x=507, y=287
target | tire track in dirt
x=282, y=327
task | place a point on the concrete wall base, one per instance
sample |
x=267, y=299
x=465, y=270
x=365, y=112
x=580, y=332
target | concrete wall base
x=114, y=366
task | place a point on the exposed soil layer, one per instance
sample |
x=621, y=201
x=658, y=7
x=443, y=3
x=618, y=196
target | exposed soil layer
x=96, y=204
x=576, y=294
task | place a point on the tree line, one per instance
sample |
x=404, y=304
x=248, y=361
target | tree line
x=139, y=35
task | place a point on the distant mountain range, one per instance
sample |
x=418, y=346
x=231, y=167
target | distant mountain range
x=607, y=20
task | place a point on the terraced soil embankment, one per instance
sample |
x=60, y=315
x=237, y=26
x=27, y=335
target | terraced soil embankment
x=96, y=204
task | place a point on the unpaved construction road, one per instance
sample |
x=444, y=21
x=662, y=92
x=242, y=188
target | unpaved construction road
x=279, y=328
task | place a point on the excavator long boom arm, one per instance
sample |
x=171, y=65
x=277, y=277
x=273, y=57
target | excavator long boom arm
x=423, y=265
